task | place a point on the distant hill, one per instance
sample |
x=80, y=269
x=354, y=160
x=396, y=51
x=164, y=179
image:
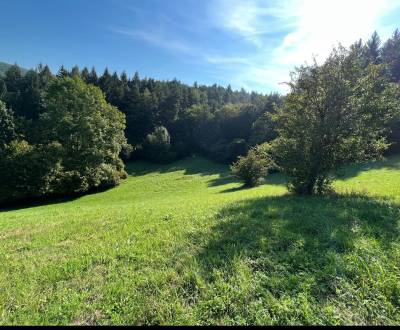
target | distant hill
x=4, y=67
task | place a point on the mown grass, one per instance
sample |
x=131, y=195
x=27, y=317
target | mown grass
x=185, y=244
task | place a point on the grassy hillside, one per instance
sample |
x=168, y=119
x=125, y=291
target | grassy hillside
x=184, y=244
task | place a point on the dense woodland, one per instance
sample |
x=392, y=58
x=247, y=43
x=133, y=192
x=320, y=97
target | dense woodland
x=66, y=132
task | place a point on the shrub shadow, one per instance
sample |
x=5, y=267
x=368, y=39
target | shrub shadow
x=352, y=170
x=234, y=189
x=292, y=235
x=190, y=166
x=48, y=200
x=200, y=166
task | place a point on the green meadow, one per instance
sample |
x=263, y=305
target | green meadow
x=184, y=243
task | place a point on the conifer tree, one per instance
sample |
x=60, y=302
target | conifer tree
x=62, y=72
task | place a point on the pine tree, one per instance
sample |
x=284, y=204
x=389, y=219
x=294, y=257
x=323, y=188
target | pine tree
x=372, y=52
x=105, y=83
x=45, y=76
x=85, y=74
x=93, y=78
x=75, y=72
x=63, y=72
x=391, y=56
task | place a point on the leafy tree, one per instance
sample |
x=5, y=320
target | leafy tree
x=90, y=133
x=157, y=146
x=335, y=113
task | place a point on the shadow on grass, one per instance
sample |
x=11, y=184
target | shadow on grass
x=234, y=189
x=296, y=240
x=197, y=166
x=352, y=170
x=189, y=166
x=47, y=200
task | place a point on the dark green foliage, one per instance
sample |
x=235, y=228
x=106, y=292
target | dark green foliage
x=3, y=89
x=253, y=167
x=263, y=129
x=7, y=126
x=22, y=93
x=76, y=146
x=228, y=151
x=391, y=56
x=28, y=170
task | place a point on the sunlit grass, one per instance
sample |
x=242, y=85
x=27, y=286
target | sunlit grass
x=184, y=244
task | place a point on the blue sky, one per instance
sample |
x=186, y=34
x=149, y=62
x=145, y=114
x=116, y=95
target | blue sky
x=246, y=43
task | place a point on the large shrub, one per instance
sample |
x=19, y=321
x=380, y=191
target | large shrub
x=253, y=167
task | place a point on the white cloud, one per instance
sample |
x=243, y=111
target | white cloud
x=315, y=27
x=226, y=60
x=158, y=40
x=250, y=19
x=322, y=24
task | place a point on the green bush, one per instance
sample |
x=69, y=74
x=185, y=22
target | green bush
x=253, y=167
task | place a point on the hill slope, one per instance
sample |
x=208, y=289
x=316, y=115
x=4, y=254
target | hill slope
x=4, y=67
x=184, y=244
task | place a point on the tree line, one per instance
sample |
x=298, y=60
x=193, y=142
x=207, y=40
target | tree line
x=212, y=120
x=67, y=132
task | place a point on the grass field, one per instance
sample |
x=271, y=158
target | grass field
x=185, y=244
